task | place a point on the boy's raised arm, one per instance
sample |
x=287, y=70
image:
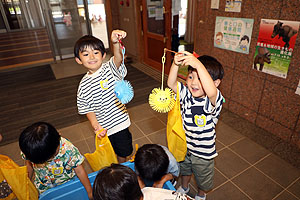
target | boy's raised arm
x=172, y=78
x=117, y=35
x=207, y=83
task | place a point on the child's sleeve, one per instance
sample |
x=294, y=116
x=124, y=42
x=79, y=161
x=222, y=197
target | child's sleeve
x=118, y=72
x=183, y=92
x=82, y=103
x=173, y=167
x=210, y=108
x=75, y=157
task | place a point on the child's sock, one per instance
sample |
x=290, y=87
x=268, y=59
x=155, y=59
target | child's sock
x=200, y=197
x=183, y=190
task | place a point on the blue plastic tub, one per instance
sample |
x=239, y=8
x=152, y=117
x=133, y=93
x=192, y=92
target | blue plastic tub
x=74, y=190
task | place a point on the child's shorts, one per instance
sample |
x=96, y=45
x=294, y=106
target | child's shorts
x=122, y=142
x=202, y=169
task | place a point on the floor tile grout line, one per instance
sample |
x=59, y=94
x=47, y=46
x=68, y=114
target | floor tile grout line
x=229, y=180
x=143, y=119
x=161, y=121
x=227, y=146
x=139, y=129
x=253, y=165
x=155, y=132
x=240, y=189
x=286, y=190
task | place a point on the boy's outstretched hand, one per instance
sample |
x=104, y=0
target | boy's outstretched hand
x=117, y=35
x=186, y=58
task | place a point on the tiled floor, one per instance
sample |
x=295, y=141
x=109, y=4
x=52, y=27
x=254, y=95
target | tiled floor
x=243, y=169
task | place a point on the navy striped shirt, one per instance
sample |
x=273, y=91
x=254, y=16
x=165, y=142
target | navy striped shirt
x=199, y=118
x=96, y=94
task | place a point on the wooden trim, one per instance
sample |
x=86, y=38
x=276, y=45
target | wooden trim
x=108, y=13
x=24, y=42
x=44, y=61
x=7, y=50
x=31, y=54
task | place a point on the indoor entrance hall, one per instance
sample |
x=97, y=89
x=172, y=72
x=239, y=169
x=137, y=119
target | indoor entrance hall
x=244, y=169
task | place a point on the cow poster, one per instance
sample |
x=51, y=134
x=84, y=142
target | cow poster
x=233, y=34
x=275, y=46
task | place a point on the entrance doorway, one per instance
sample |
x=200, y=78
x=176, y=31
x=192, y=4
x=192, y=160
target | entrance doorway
x=71, y=19
x=20, y=14
x=156, y=25
x=98, y=20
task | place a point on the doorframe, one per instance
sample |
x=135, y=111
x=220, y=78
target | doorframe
x=141, y=23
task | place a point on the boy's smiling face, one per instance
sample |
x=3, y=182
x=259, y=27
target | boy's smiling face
x=91, y=59
x=194, y=84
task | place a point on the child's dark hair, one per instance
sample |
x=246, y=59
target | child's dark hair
x=88, y=41
x=212, y=65
x=116, y=182
x=39, y=142
x=151, y=162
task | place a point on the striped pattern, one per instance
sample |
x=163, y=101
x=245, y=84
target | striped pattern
x=199, y=120
x=25, y=48
x=96, y=94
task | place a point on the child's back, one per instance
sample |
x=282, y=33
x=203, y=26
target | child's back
x=52, y=159
x=155, y=165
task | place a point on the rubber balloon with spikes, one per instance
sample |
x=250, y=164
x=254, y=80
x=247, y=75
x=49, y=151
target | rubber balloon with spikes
x=162, y=100
x=123, y=88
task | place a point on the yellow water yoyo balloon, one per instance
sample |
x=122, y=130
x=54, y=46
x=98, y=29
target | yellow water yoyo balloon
x=162, y=100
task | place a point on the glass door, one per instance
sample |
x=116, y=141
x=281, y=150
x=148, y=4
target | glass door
x=20, y=14
x=67, y=21
x=97, y=18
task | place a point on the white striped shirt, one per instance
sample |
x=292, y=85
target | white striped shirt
x=96, y=94
x=199, y=118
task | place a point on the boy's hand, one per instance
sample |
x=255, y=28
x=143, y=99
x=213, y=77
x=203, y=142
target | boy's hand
x=117, y=35
x=99, y=130
x=187, y=58
x=158, y=184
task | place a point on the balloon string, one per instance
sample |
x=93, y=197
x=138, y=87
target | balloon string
x=123, y=56
x=163, y=60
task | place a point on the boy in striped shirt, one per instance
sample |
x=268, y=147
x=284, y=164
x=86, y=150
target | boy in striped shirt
x=95, y=95
x=201, y=104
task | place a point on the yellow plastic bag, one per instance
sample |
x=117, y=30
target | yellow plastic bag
x=17, y=179
x=104, y=154
x=175, y=133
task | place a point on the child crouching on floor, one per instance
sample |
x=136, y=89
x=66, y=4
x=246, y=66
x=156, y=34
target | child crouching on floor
x=155, y=165
x=50, y=158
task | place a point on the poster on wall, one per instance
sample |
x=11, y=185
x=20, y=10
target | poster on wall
x=233, y=5
x=214, y=4
x=233, y=34
x=275, y=46
x=298, y=89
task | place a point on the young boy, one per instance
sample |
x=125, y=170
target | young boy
x=155, y=164
x=201, y=104
x=118, y=182
x=95, y=95
x=50, y=158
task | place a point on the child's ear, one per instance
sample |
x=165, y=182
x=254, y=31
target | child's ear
x=217, y=82
x=78, y=61
x=103, y=56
